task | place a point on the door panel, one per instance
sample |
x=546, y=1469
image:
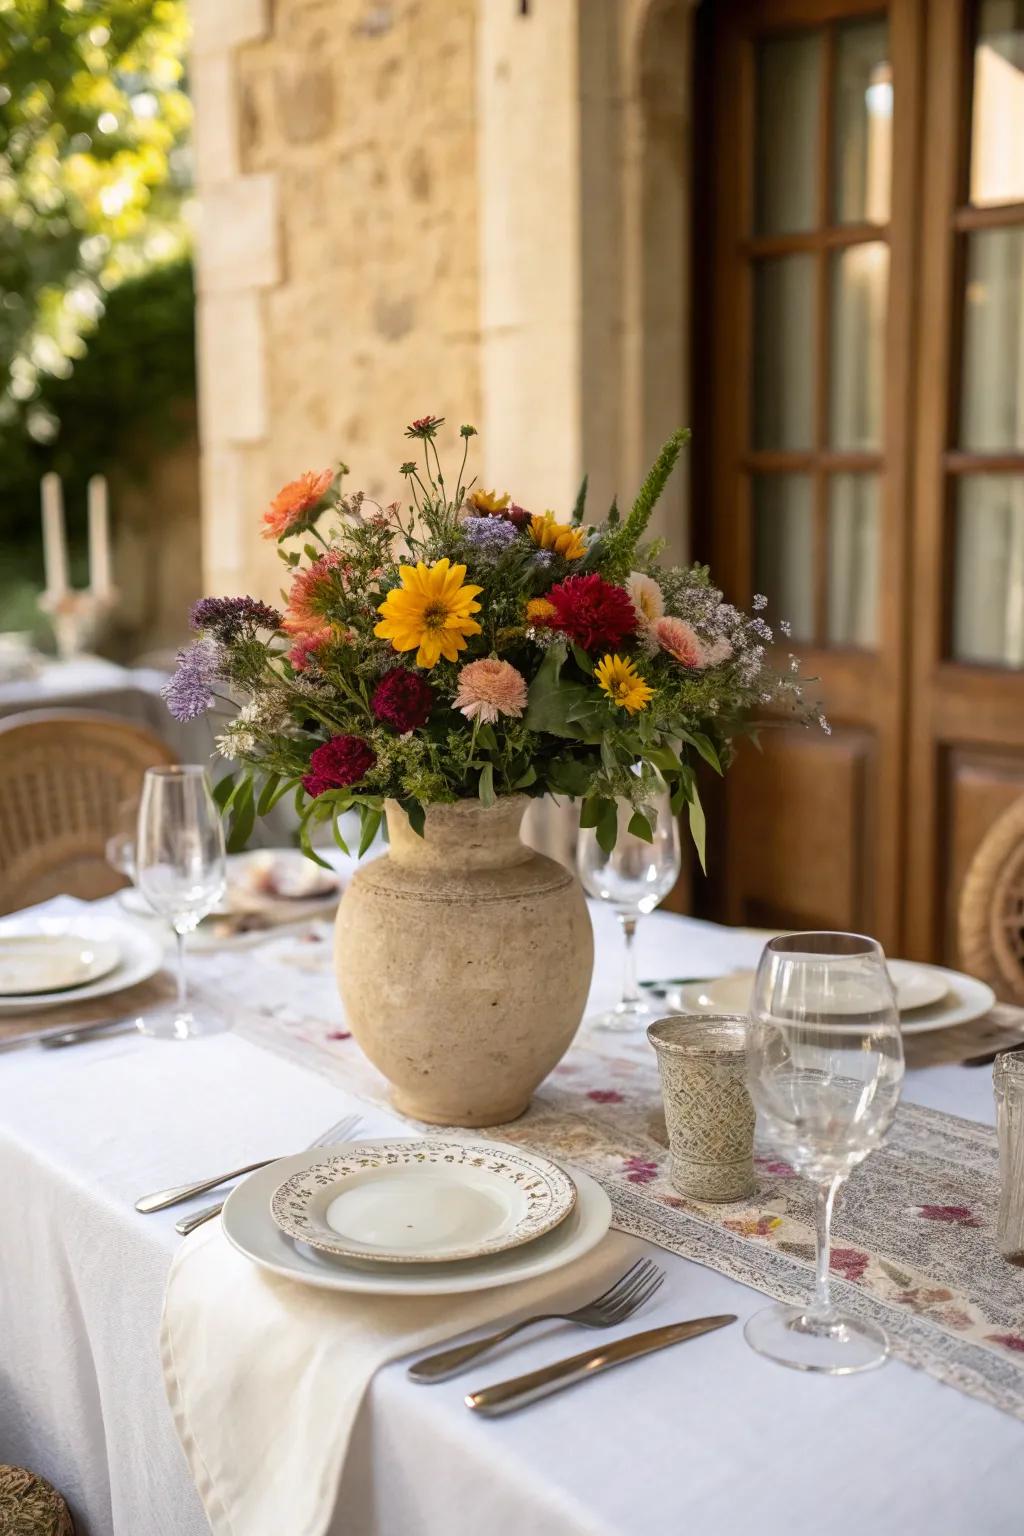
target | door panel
x=814, y=142
x=966, y=704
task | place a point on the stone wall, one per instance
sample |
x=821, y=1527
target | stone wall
x=468, y=207
x=338, y=265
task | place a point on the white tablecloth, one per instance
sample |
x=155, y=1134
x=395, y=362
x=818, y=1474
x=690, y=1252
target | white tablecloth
x=712, y=1445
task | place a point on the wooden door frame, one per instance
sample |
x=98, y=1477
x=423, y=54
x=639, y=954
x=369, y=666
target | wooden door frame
x=860, y=688
x=947, y=698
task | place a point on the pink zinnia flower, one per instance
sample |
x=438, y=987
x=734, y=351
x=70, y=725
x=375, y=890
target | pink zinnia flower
x=312, y=587
x=490, y=688
x=680, y=641
x=307, y=643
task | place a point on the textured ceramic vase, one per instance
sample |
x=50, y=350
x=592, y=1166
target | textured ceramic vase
x=464, y=961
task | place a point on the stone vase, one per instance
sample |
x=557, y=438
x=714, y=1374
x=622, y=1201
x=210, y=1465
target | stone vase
x=463, y=960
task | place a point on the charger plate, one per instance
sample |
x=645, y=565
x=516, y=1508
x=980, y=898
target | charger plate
x=140, y=954
x=249, y=1227
x=430, y=1200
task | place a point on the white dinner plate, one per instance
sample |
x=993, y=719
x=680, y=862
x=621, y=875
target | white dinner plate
x=429, y=1200
x=249, y=1227
x=140, y=956
x=38, y=962
x=952, y=997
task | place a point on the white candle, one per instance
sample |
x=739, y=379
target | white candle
x=100, y=583
x=55, y=551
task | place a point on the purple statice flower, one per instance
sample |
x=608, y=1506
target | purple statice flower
x=227, y=616
x=760, y=602
x=489, y=535
x=762, y=630
x=189, y=693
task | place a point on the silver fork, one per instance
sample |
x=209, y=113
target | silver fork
x=340, y=1132
x=163, y=1198
x=614, y=1305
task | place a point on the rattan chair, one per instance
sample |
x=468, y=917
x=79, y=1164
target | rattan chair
x=64, y=779
x=29, y=1506
x=992, y=908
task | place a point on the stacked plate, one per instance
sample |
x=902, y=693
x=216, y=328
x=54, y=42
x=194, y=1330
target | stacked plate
x=928, y=996
x=47, y=961
x=428, y=1216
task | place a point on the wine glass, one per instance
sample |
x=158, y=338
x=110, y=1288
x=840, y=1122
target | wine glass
x=633, y=878
x=825, y=1067
x=180, y=869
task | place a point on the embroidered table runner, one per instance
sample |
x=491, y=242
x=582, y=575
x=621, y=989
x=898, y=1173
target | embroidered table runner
x=914, y=1244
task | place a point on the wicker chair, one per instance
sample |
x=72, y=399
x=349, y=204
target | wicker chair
x=64, y=776
x=992, y=908
x=29, y=1506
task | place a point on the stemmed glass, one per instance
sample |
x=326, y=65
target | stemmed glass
x=633, y=879
x=825, y=1066
x=180, y=869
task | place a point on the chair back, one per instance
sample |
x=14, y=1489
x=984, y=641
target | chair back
x=991, y=917
x=65, y=777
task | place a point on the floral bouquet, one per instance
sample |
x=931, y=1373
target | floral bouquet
x=454, y=645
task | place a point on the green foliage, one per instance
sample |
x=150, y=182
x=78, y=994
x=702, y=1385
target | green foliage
x=623, y=541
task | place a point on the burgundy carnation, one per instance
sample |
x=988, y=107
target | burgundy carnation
x=402, y=699
x=591, y=611
x=341, y=761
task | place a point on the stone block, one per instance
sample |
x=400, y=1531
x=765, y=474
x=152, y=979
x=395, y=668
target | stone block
x=225, y=545
x=218, y=25
x=239, y=242
x=232, y=369
x=215, y=99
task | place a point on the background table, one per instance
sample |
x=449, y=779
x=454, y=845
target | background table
x=708, y=1438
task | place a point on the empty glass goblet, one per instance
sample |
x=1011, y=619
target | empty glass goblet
x=825, y=1063
x=633, y=878
x=180, y=869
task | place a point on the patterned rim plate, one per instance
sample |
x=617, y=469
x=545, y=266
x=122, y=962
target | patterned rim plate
x=428, y=1201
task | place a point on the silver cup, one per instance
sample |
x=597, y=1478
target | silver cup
x=702, y=1060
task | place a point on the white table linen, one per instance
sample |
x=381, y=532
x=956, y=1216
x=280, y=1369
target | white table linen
x=722, y=1442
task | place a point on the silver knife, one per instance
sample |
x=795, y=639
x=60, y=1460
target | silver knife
x=66, y=1034
x=508, y=1395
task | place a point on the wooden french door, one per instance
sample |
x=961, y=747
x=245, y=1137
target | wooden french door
x=864, y=467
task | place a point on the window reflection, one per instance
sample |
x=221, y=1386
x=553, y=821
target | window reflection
x=997, y=129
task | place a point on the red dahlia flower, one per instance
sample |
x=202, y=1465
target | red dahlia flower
x=591, y=611
x=341, y=761
x=402, y=699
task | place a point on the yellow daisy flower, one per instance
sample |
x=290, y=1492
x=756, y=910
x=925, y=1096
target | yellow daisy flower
x=539, y=610
x=564, y=538
x=430, y=612
x=488, y=502
x=623, y=683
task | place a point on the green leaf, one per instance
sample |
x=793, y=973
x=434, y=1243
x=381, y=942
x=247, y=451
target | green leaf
x=551, y=700
x=607, y=826
x=705, y=746
x=416, y=814
x=639, y=826
x=243, y=817
x=581, y=501
x=590, y=811
x=486, y=788
x=698, y=827
x=486, y=738
x=371, y=826
x=570, y=775
x=280, y=792
x=223, y=790
x=526, y=779
x=665, y=758
x=337, y=833
x=582, y=660
x=314, y=814
x=266, y=799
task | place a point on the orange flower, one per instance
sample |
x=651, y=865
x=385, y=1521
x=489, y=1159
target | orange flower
x=288, y=510
x=539, y=610
x=312, y=589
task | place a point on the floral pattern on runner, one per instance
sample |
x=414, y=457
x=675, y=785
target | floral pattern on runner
x=914, y=1232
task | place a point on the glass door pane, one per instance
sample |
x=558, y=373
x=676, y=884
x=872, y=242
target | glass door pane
x=788, y=120
x=992, y=396
x=860, y=291
x=862, y=124
x=784, y=353
x=784, y=548
x=853, y=560
x=997, y=126
x=988, y=610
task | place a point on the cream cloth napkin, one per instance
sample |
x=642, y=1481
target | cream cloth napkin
x=265, y=1376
